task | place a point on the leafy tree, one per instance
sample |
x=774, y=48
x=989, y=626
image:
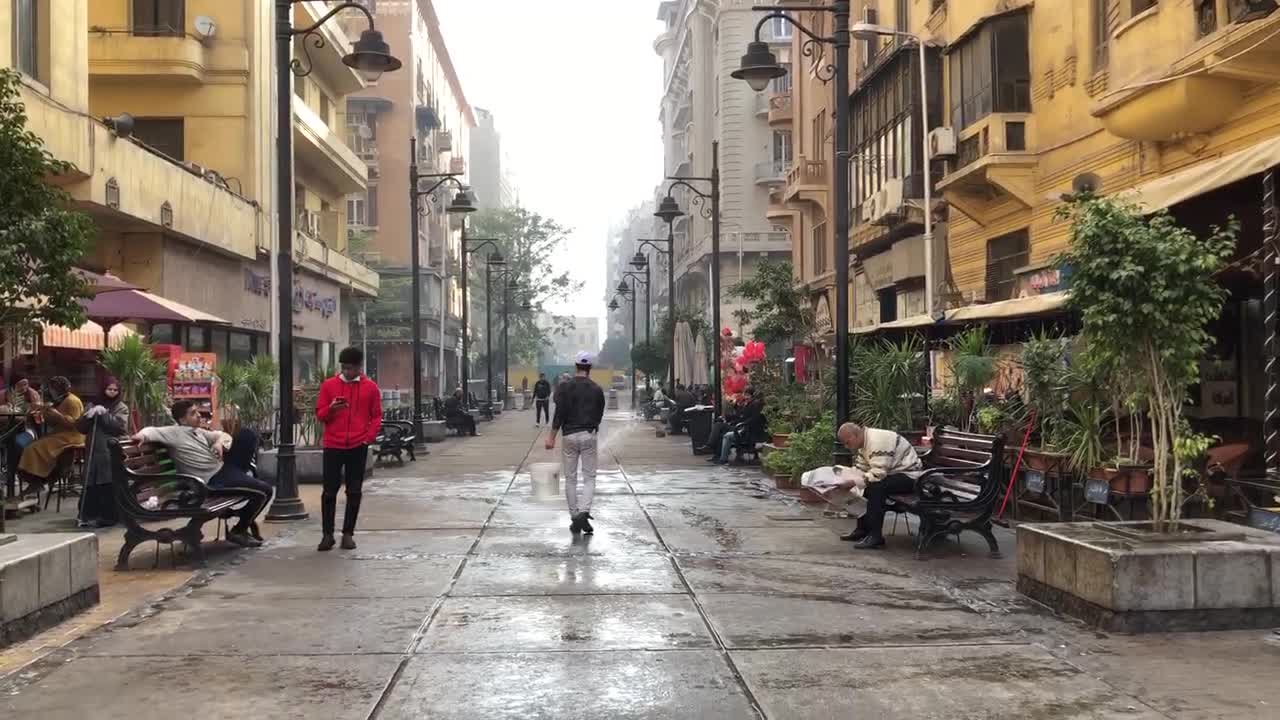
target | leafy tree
x=781, y=312
x=41, y=237
x=531, y=244
x=614, y=353
x=651, y=358
x=1145, y=290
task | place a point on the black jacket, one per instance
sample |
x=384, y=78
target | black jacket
x=579, y=407
x=542, y=390
x=453, y=408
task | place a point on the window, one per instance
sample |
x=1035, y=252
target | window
x=818, y=141
x=1101, y=34
x=781, y=85
x=371, y=208
x=991, y=71
x=324, y=109
x=780, y=29
x=355, y=210
x=781, y=149
x=1005, y=254
x=166, y=135
x=241, y=347
x=888, y=299
x=158, y=18
x=163, y=334
x=197, y=339
x=820, y=248
x=26, y=37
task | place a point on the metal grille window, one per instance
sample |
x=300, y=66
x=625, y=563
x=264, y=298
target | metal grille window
x=991, y=71
x=159, y=18
x=26, y=36
x=1101, y=34
x=166, y=135
x=1005, y=254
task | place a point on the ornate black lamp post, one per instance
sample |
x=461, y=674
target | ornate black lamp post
x=669, y=210
x=461, y=204
x=760, y=66
x=371, y=56
x=669, y=241
x=470, y=245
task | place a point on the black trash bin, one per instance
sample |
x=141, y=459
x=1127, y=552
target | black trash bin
x=698, y=424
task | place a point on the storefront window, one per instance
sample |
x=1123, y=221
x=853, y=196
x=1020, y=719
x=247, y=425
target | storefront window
x=326, y=356
x=240, y=347
x=197, y=339
x=218, y=339
x=163, y=334
x=304, y=359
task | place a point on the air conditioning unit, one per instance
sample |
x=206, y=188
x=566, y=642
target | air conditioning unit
x=942, y=142
x=885, y=206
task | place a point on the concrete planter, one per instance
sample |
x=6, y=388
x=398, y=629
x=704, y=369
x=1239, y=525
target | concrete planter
x=1122, y=577
x=308, y=465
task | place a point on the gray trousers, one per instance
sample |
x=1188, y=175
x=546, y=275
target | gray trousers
x=578, y=451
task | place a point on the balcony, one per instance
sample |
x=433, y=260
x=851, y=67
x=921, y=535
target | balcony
x=771, y=172
x=780, y=111
x=324, y=260
x=995, y=160
x=324, y=153
x=319, y=225
x=457, y=165
x=807, y=181
x=327, y=59
x=365, y=148
x=759, y=242
x=121, y=55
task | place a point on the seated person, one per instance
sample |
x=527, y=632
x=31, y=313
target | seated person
x=721, y=426
x=16, y=428
x=456, y=415
x=889, y=465
x=60, y=415
x=683, y=400
x=217, y=460
x=750, y=423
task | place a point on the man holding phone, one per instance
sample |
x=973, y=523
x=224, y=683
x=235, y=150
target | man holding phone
x=350, y=408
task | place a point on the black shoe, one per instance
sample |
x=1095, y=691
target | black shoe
x=586, y=526
x=870, y=542
x=241, y=538
x=255, y=533
x=854, y=536
x=348, y=542
x=326, y=543
x=575, y=526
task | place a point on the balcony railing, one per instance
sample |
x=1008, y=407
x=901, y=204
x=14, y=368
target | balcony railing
x=807, y=172
x=770, y=172
x=780, y=109
x=319, y=225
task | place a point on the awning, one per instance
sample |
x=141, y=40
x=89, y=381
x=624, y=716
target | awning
x=114, y=307
x=1199, y=179
x=1005, y=309
x=909, y=322
x=85, y=337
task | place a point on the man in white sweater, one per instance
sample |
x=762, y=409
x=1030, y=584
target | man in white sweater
x=889, y=465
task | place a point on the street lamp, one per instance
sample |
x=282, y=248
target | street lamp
x=640, y=262
x=629, y=293
x=868, y=31
x=494, y=258
x=668, y=210
x=758, y=68
x=669, y=241
x=372, y=57
x=460, y=205
x=509, y=283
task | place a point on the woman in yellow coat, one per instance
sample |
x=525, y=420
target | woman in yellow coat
x=60, y=416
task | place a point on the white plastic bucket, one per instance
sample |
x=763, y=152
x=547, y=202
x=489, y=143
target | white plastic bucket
x=545, y=479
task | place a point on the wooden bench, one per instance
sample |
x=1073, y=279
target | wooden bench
x=959, y=489
x=147, y=471
x=395, y=441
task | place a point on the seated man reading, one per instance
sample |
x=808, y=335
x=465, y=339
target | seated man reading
x=456, y=415
x=886, y=464
x=217, y=460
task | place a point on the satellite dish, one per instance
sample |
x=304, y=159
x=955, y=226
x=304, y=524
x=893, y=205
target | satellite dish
x=1086, y=184
x=206, y=28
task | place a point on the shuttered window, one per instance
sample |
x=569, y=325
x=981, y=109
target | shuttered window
x=157, y=18
x=1005, y=254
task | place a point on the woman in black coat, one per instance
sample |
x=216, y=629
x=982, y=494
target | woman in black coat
x=101, y=424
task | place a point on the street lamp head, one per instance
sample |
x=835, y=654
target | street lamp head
x=639, y=262
x=759, y=66
x=668, y=210
x=622, y=287
x=613, y=304
x=462, y=203
x=496, y=259
x=870, y=31
x=371, y=56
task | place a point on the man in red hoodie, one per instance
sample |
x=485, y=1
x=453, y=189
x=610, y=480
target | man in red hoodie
x=350, y=408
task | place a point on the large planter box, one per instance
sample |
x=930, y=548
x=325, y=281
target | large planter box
x=1120, y=577
x=308, y=465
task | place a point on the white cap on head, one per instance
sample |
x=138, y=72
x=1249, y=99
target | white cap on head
x=583, y=358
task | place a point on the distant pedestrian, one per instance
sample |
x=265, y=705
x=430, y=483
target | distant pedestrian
x=542, y=399
x=350, y=407
x=579, y=410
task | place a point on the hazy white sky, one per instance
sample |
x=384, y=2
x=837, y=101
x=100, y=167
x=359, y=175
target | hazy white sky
x=574, y=88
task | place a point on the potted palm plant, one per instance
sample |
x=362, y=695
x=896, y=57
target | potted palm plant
x=143, y=378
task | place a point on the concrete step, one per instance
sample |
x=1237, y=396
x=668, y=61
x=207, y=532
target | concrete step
x=44, y=579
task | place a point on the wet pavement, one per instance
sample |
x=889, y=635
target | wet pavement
x=703, y=594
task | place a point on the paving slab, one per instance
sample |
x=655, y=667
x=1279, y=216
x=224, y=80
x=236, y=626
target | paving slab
x=1017, y=682
x=573, y=623
x=568, y=686
x=207, y=624
x=400, y=512
x=335, y=574
x=608, y=539
x=558, y=517
x=575, y=575
x=793, y=575
x=758, y=515
x=342, y=687
x=804, y=541
x=864, y=618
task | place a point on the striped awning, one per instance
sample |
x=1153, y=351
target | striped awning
x=86, y=337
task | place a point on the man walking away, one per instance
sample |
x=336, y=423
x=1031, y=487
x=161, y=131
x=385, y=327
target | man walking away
x=579, y=409
x=541, y=399
x=350, y=408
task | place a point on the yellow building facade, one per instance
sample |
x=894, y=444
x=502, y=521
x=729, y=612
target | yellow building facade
x=184, y=199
